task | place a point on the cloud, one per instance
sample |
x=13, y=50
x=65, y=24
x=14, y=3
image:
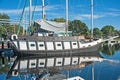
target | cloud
x=89, y=16
x=58, y=11
x=85, y=16
x=113, y=10
x=16, y=13
x=13, y=11
x=19, y=11
x=112, y=14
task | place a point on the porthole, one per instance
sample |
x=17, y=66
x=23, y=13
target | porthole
x=58, y=44
x=75, y=61
x=41, y=45
x=59, y=62
x=32, y=64
x=41, y=63
x=32, y=45
x=74, y=43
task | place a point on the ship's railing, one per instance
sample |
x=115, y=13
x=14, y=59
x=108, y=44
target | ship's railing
x=51, y=38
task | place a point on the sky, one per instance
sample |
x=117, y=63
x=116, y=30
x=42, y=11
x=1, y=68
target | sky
x=106, y=12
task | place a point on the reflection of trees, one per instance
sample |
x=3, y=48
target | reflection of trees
x=108, y=49
x=5, y=68
x=117, y=46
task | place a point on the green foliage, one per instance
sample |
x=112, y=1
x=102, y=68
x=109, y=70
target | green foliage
x=108, y=30
x=117, y=32
x=6, y=19
x=59, y=20
x=15, y=28
x=1, y=30
x=108, y=50
x=78, y=27
x=6, y=27
x=97, y=33
x=5, y=68
x=4, y=16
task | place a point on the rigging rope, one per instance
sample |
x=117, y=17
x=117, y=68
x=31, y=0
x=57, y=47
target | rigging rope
x=33, y=12
x=31, y=28
x=34, y=9
x=18, y=29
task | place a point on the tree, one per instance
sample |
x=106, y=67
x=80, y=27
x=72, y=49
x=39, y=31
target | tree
x=97, y=33
x=59, y=20
x=78, y=27
x=7, y=27
x=15, y=28
x=4, y=26
x=5, y=18
x=117, y=32
x=108, y=30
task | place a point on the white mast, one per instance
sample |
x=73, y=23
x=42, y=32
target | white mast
x=43, y=13
x=92, y=19
x=92, y=35
x=66, y=18
x=30, y=20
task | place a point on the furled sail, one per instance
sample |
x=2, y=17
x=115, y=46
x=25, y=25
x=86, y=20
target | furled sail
x=51, y=25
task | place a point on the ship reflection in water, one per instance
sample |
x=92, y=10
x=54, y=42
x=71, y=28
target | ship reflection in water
x=52, y=65
x=106, y=63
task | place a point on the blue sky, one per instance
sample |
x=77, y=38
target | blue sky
x=106, y=12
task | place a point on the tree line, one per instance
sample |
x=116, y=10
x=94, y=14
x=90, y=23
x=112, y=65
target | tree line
x=77, y=27
x=6, y=28
x=80, y=28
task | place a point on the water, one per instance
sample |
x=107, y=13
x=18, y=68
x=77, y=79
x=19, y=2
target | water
x=103, y=71
x=109, y=69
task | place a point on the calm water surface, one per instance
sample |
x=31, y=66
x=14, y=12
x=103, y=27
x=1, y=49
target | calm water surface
x=109, y=69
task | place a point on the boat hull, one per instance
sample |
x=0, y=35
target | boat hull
x=57, y=53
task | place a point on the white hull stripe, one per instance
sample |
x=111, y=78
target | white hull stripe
x=62, y=45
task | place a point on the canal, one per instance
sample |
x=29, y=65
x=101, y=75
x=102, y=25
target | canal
x=108, y=69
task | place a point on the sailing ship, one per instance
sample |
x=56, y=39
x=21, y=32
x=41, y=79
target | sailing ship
x=50, y=44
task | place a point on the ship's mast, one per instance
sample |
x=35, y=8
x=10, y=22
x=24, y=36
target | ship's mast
x=92, y=34
x=30, y=20
x=43, y=13
x=66, y=18
x=92, y=19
